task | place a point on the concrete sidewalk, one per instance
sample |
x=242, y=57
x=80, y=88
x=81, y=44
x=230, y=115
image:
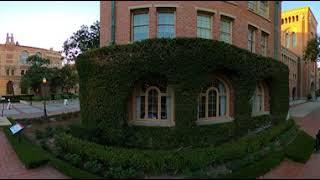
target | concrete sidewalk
x=303, y=110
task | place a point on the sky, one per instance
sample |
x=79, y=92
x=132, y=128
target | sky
x=45, y=24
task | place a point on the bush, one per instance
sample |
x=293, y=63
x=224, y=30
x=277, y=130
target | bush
x=301, y=148
x=259, y=168
x=158, y=161
x=93, y=166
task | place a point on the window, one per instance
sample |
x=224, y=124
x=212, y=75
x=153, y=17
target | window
x=257, y=100
x=286, y=20
x=153, y=103
x=252, y=5
x=12, y=72
x=289, y=19
x=166, y=24
x=226, y=30
x=264, y=9
x=213, y=101
x=282, y=21
x=292, y=18
x=22, y=72
x=204, y=26
x=294, y=39
x=287, y=40
x=23, y=57
x=251, y=37
x=297, y=17
x=140, y=25
x=264, y=43
x=8, y=72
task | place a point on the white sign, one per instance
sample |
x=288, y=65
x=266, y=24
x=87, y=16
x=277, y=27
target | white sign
x=16, y=128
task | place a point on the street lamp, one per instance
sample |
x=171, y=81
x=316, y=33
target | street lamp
x=44, y=83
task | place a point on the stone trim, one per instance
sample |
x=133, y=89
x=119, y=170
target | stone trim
x=218, y=120
x=159, y=123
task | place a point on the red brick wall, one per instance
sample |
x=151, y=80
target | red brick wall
x=186, y=14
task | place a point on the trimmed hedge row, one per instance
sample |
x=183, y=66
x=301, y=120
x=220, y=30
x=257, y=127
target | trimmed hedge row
x=160, y=161
x=108, y=75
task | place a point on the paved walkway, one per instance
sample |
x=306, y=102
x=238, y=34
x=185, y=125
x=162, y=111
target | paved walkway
x=307, y=116
x=12, y=168
x=21, y=110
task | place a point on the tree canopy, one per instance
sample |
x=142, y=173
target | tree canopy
x=84, y=39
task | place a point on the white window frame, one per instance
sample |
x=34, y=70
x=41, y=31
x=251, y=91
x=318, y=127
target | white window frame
x=217, y=118
x=173, y=11
x=226, y=19
x=137, y=12
x=264, y=43
x=252, y=42
x=199, y=13
x=254, y=100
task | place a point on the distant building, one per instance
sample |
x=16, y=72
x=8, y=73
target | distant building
x=298, y=26
x=13, y=63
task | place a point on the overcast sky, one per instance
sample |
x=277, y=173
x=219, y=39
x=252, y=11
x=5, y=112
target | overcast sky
x=45, y=24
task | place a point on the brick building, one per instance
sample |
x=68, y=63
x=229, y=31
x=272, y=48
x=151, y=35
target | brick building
x=251, y=25
x=298, y=26
x=13, y=63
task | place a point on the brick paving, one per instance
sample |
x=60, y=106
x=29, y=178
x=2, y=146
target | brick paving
x=12, y=168
x=292, y=170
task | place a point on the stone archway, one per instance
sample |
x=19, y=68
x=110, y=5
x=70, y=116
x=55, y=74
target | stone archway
x=10, y=89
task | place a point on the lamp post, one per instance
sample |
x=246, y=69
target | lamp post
x=44, y=83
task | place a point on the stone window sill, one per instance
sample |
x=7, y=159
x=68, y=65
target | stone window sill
x=260, y=113
x=217, y=120
x=156, y=123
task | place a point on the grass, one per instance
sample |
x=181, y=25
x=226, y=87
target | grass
x=33, y=156
x=301, y=148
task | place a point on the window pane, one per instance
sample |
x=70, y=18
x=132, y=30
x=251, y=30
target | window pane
x=140, y=26
x=153, y=104
x=166, y=18
x=166, y=31
x=164, y=107
x=294, y=39
x=142, y=105
x=212, y=95
x=225, y=30
x=222, y=105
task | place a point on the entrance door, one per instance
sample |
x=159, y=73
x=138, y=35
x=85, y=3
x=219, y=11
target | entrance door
x=10, y=88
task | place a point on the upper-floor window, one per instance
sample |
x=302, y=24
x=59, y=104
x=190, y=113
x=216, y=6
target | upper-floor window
x=226, y=29
x=264, y=43
x=12, y=72
x=8, y=72
x=264, y=8
x=140, y=25
x=166, y=23
x=287, y=40
x=204, y=26
x=259, y=7
x=22, y=72
x=23, y=57
x=251, y=39
x=297, y=18
x=294, y=39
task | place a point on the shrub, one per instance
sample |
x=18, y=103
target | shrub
x=158, y=161
x=301, y=148
x=93, y=166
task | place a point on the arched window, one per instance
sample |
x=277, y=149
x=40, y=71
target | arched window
x=287, y=40
x=297, y=18
x=286, y=20
x=258, y=101
x=153, y=105
x=23, y=57
x=294, y=39
x=289, y=19
x=214, y=101
x=292, y=18
x=282, y=21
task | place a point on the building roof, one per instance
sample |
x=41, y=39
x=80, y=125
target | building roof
x=42, y=49
x=307, y=8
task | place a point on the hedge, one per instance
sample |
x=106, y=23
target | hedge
x=159, y=161
x=108, y=75
x=301, y=148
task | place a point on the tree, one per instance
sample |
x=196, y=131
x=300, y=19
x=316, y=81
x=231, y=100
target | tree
x=84, y=39
x=312, y=50
x=37, y=71
x=69, y=76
